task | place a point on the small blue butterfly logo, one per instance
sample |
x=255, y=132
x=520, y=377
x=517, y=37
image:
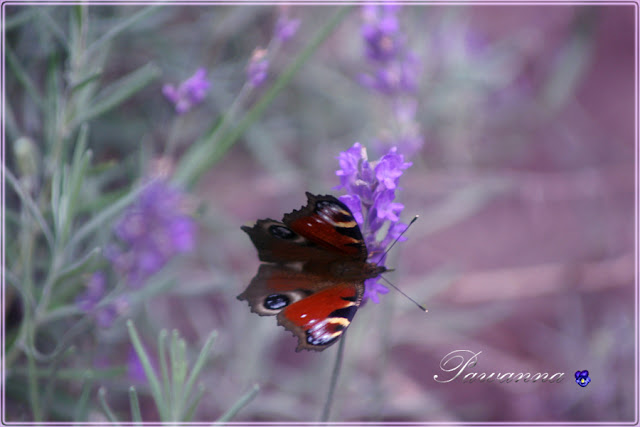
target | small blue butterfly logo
x=582, y=378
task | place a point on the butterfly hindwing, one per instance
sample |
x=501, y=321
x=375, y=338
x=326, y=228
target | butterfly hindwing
x=314, y=308
x=321, y=318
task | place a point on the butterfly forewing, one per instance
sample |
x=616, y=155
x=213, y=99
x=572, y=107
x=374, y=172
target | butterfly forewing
x=277, y=243
x=328, y=223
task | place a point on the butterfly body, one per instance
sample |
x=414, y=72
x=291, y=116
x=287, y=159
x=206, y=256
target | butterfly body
x=313, y=271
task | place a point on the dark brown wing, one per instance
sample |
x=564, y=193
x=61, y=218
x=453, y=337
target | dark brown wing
x=323, y=231
x=278, y=243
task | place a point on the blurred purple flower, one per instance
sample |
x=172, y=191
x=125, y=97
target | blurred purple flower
x=258, y=68
x=135, y=370
x=152, y=231
x=370, y=188
x=190, y=93
x=94, y=293
x=380, y=31
x=394, y=72
x=109, y=313
x=286, y=28
x=395, y=68
x=89, y=300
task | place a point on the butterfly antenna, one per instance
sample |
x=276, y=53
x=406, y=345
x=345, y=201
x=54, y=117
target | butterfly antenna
x=415, y=218
x=422, y=307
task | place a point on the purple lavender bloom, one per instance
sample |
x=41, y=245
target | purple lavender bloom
x=381, y=34
x=89, y=300
x=394, y=72
x=286, y=28
x=395, y=68
x=94, y=293
x=258, y=68
x=190, y=93
x=152, y=231
x=118, y=307
x=370, y=188
x=135, y=370
x=371, y=290
x=396, y=77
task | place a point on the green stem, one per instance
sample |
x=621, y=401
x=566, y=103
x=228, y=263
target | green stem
x=34, y=397
x=30, y=204
x=334, y=380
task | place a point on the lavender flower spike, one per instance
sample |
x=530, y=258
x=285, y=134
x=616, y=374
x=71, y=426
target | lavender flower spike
x=286, y=28
x=89, y=301
x=258, y=67
x=152, y=231
x=371, y=188
x=395, y=69
x=190, y=93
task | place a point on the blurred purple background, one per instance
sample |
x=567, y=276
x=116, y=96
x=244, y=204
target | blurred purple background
x=525, y=245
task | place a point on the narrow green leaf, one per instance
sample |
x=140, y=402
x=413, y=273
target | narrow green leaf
x=136, y=416
x=56, y=187
x=63, y=204
x=102, y=393
x=164, y=369
x=52, y=111
x=30, y=204
x=23, y=77
x=241, y=403
x=20, y=18
x=118, y=92
x=34, y=387
x=82, y=408
x=87, y=263
x=200, y=361
x=84, y=81
x=81, y=161
x=121, y=26
x=176, y=370
x=571, y=65
x=59, y=313
x=44, y=20
x=188, y=416
x=154, y=383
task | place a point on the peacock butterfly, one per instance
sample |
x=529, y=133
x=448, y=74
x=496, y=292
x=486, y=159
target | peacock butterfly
x=313, y=271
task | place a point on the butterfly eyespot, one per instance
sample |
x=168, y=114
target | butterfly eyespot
x=282, y=232
x=276, y=302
